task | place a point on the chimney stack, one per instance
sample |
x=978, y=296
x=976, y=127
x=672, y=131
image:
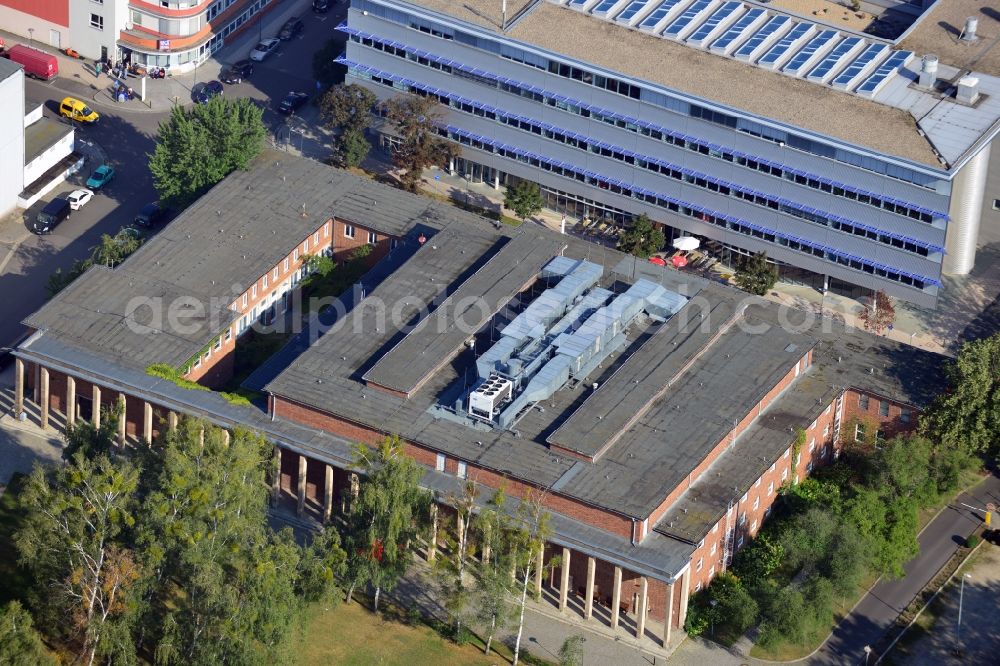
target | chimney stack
x=969, y=31
x=928, y=71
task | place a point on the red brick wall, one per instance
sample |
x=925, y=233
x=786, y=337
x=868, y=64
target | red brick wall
x=891, y=424
x=616, y=524
x=343, y=245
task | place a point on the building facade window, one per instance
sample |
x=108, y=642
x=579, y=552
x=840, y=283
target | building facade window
x=701, y=563
x=859, y=432
x=97, y=21
x=904, y=415
x=348, y=231
x=439, y=462
x=462, y=470
x=883, y=408
x=863, y=402
x=372, y=238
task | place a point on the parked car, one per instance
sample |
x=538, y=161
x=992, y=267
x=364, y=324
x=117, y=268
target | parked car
x=292, y=101
x=264, y=48
x=293, y=28
x=77, y=198
x=237, y=72
x=102, y=176
x=51, y=215
x=36, y=63
x=150, y=215
x=74, y=109
x=321, y=6
x=208, y=91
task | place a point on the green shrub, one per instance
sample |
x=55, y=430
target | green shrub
x=171, y=374
x=971, y=541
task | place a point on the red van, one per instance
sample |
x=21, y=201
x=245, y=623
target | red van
x=36, y=63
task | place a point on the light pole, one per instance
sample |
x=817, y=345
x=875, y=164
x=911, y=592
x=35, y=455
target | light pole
x=961, y=597
x=868, y=653
x=714, y=602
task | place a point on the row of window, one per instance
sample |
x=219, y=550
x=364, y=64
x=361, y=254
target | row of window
x=673, y=205
x=672, y=137
x=864, y=402
x=460, y=471
x=679, y=173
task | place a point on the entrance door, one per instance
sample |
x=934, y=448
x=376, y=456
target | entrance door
x=55, y=39
x=84, y=409
x=104, y=54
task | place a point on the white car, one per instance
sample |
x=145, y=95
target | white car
x=78, y=198
x=264, y=49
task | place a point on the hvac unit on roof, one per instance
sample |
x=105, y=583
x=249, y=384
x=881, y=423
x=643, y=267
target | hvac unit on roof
x=928, y=71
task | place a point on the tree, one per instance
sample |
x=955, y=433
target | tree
x=75, y=515
x=19, y=642
x=494, y=585
x=879, y=314
x=227, y=584
x=113, y=250
x=416, y=120
x=347, y=108
x=198, y=147
x=966, y=417
x=325, y=67
x=82, y=437
x=759, y=560
x=755, y=275
x=526, y=540
x=571, y=652
x=453, y=566
x=732, y=605
x=524, y=198
x=383, y=521
x=351, y=148
x=58, y=280
x=322, y=565
x=642, y=239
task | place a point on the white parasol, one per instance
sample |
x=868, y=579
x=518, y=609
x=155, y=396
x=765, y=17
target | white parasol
x=686, y=243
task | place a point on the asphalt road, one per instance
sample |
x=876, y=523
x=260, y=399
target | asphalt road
x=877, y=611
x=127, y=137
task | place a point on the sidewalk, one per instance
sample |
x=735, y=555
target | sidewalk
x=78, y=79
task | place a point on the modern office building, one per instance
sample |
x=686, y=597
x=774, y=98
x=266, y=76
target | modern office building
x=855, y=162
x=653, y=413
x=176, y=34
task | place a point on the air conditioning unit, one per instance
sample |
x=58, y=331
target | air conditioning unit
x=486, y=400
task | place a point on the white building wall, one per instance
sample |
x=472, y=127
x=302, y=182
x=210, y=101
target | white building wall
x=11, y=141
x=50, y=157
x=32, y=115
x=34, y=29
x=89, y=40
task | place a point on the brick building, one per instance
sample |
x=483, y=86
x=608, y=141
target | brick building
x=655, y=413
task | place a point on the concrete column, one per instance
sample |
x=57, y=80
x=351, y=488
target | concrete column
x=643, y=605
x=588, y=605
x=121, y=421
x=564, y=579
x=276, y=479
x=451, y=166
x=147, y=423
x=18, y=387
x=539, y=568
x=328, y=494
x=433, y=545
x=668, y=625
x=496, y=180
x=303, y=465
x=172, y=420
x=43, y=396
x=968, y=189
x=616, y=598
x=96, y=411
x=685, y=592
x=70, y=400
x=485, y=553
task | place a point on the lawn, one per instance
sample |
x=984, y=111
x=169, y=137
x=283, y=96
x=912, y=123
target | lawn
x=350, y=634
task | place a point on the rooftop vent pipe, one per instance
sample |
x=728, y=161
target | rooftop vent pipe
x=969, y=31
x=928, y=71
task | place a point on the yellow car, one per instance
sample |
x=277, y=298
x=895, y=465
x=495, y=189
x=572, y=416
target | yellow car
x=74, y=109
